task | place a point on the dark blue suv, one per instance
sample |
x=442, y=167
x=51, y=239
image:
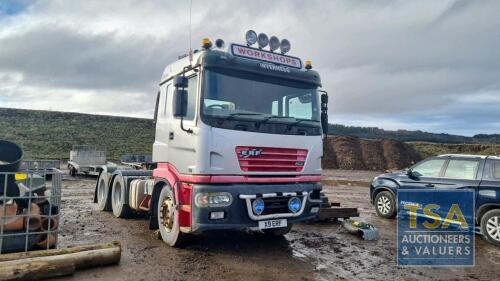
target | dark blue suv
x=450, y=171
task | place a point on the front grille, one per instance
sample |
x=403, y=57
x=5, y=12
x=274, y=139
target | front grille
x=271, y=159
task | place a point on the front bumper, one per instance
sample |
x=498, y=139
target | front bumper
x=239, y=214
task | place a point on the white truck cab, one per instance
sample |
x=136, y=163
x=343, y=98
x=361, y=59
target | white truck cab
x=238, y=144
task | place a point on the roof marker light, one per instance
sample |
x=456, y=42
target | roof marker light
x=262, y=40
x=285, y=46
x=274, y=43
x=308, y=64
x=206, y=43
x=251, y=37
x=219, y=43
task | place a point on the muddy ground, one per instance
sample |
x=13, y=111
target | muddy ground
x=309, y=252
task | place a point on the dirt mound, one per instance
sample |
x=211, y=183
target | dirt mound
x=348, y=152
x=373, y=154
x=353, y=153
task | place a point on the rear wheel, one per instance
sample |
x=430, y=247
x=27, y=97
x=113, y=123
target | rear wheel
x=103, y=198
x=278, y=231
x=168, y=218
x=490, y=226
x=119, y=202
x=385, y=205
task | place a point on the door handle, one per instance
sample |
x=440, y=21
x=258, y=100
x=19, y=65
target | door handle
x=429, y=185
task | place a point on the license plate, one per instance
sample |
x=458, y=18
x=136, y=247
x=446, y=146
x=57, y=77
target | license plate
x=272, y=224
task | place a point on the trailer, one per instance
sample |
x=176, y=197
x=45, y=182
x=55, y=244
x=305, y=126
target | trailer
x=238, y=144
x=138, y=161
x=86, y=159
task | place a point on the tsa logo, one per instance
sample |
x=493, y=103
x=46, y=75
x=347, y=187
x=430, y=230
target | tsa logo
x=436, y=227
x=254, y=152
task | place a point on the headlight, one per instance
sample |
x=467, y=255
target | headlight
x=214, y=199
x=294, y=204
x=258, y=206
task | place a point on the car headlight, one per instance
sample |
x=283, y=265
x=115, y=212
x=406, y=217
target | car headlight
x=213, y=199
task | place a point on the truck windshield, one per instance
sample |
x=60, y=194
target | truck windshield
x=259, y=98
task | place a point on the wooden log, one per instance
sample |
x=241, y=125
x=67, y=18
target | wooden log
x=44, y=267
x=36, y=270
x=54, y=252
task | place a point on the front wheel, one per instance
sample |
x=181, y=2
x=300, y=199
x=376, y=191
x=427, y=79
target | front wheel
x=490, y=226
x=168, y=218
x=278, y=231
x=385, y=205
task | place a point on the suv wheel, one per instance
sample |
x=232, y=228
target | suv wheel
x=385, y=205
x=490, y=226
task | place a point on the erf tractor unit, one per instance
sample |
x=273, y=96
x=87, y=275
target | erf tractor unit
x=238, y=144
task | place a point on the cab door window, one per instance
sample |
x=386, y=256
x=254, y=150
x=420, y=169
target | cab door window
x=430, y=168
x=462, y=169
x=192, y=90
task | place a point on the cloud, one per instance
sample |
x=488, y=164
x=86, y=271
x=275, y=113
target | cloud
x=428, y=65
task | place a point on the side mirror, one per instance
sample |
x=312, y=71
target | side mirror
x=324, y=98
x=180, y=81
x=324, y=113
x=180, y=101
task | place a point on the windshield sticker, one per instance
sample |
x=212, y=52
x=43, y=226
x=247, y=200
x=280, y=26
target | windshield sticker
x=256, y=54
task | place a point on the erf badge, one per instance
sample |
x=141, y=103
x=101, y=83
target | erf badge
x=254, y=152
x=436, y=227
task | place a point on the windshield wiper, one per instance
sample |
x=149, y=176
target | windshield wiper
x=266, y=119
x=289, y=126
x=232, y=115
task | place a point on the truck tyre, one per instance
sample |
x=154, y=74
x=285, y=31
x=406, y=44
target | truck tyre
x=385, y=205
x=119, y=201
x=71, y=170
x=490, y=226
x=278, y=231
x=103, y=193
x=168, y=218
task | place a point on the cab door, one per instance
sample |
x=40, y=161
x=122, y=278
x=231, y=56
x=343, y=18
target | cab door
x=162, y=129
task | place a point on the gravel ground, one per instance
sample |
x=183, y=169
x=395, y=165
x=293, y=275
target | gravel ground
x=309, y=252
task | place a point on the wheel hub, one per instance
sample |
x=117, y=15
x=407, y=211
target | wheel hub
x=493, y=228
x=384, y=205
x=166, y=214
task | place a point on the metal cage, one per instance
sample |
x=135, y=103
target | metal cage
x=30, y=203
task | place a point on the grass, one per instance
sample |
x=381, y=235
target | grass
x=431, y=149
x=50, y=135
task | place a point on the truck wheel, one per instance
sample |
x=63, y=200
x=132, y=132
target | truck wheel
x=119, y=202
x=71, y=170
x=168, y=218
x=490, y=226
x=385, y=205
x=103, y=198
x=278, y=231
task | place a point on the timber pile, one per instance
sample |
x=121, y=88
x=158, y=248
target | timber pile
x=45, y=264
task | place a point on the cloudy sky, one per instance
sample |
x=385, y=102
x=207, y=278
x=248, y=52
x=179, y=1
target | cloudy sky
x=427, y=65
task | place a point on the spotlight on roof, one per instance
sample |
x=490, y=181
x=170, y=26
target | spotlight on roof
x=262, y=40
x=251, y=37
x=274, y=43
x=285, y=46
